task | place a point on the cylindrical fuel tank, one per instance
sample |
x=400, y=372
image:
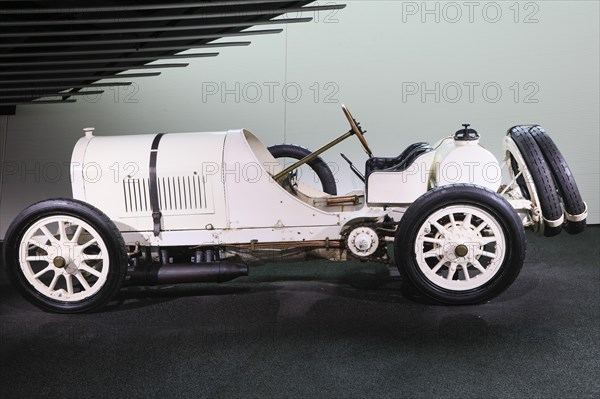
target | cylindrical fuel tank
x=466, y=161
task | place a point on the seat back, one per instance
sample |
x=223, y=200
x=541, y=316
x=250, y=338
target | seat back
x=399, y=163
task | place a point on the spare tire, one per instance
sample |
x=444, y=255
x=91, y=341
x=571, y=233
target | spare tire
x=541, y=174
x=318, y=165
x=575, y=208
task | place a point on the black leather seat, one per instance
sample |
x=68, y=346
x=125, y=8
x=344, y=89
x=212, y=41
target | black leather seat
x=399, y=163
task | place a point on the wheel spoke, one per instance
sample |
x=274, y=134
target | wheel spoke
x=54, y=281
x=431, y=253
x=481, y=227
x=62, y=230
x=487, y=240
x=466, y=223
x=48, y=235
x=87, y=244
x=37, y=243
x=90, y=270
x=439, y=265
x=83, y=281
x=77, y=234
x=465, y=268
x=69, y=280
x=452, y=220
x=93, y=257
x=43, y=271
x=477, y=265
x=441, y=228
x=451, y=271
x=36, y=258
x=487, y=254
x=433, y=240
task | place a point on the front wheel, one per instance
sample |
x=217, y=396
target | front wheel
x=65, y=256
x=460, y=244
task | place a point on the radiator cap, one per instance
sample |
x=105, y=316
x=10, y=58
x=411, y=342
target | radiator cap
x=466, y=134
x=89, y=131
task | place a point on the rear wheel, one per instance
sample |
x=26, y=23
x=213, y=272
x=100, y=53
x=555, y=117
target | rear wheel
x=575, y=208
x=65, y=256
x=318, y=165
x=460, y=244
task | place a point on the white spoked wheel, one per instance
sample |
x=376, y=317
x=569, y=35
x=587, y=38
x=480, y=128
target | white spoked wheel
x=460, y=248
x=460, y=244
x=64, y=258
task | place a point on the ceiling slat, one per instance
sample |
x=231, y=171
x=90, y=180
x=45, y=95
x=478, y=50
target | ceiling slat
x=108, y=60
x=79, y=78
x=62, y=87
x=139, y=40
x=2, y=104
x=83, y=70
x=58, y=48
x=50, y=94
x=132, y=50
x=140, y=7
x=219, y=15
x=80, y=32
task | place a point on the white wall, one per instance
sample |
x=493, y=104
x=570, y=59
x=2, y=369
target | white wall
x=368, y=56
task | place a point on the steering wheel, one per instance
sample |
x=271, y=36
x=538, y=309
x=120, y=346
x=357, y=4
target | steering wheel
x=291, y=181
x=357, y=130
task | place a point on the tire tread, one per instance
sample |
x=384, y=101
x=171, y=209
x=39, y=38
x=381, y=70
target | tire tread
x=565, y=181
x=541, y=174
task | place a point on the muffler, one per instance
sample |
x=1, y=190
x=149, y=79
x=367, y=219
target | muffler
x=173, y=273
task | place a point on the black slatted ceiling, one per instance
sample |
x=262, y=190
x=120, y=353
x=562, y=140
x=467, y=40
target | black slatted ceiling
x=51, y=50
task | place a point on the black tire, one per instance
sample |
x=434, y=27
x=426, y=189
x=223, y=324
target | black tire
x=478, y=200
x=109, y=281
x=565, y=181
x=318, y=165
x=541, y=174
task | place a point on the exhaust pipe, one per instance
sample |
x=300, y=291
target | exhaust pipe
x=216, y=272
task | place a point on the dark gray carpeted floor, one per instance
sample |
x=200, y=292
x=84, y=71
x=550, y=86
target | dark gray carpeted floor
x=314, y=330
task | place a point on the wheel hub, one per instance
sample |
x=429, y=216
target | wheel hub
x=63, y=258
x=461, y=242
x=461, y=250
x=59, y=262
x=362, y=241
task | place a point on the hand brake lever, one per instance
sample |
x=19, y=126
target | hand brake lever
x=353, y=168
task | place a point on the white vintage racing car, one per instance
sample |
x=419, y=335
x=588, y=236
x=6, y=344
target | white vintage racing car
x=201, y=207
